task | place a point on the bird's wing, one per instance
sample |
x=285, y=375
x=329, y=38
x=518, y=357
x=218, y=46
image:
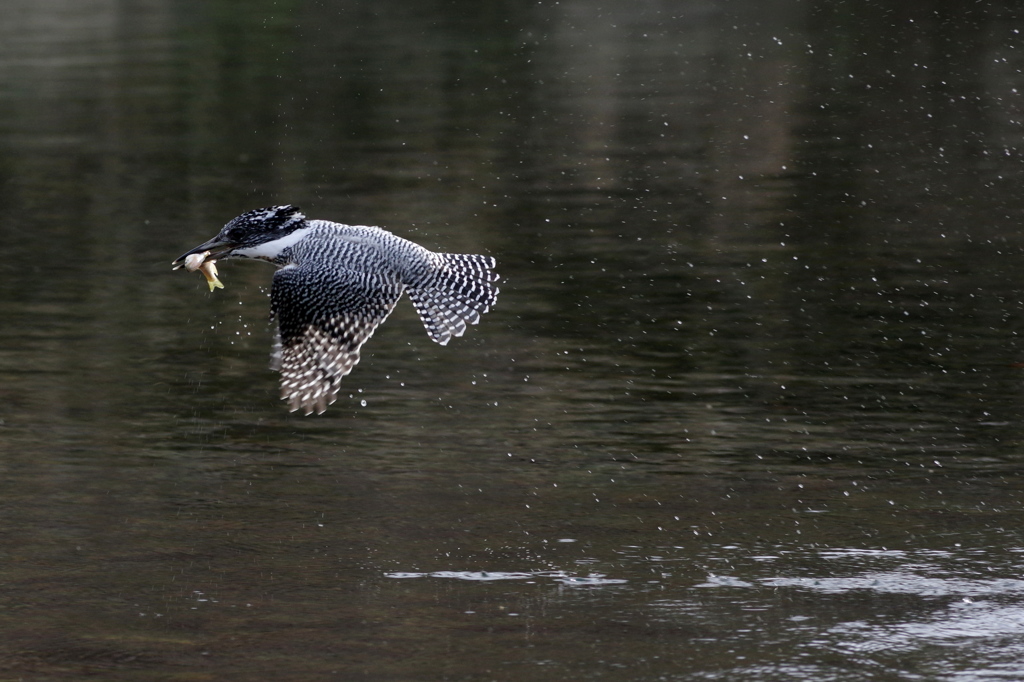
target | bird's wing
x=323, y=319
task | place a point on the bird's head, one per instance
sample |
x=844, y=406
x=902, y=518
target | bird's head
x=262, y=233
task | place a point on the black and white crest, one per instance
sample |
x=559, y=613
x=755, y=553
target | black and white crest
x=264, y=222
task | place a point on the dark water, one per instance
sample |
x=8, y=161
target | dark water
x=750, y=406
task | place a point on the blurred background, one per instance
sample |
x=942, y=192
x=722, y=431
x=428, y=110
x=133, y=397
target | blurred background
x=749, y=406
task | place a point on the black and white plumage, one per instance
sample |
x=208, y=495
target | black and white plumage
x=336, y=283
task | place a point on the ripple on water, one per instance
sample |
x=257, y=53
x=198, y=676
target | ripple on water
x=590, y=580
x=904, y=582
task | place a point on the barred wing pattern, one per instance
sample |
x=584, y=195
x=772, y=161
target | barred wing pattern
x=323, y=319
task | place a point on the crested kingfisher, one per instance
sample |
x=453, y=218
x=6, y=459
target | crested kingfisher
x=336, y=283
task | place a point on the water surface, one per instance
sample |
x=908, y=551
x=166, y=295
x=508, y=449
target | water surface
x=749, y=406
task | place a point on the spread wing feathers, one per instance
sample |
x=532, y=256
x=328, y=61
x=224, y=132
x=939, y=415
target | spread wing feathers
x=457, y=292
x=323, y=319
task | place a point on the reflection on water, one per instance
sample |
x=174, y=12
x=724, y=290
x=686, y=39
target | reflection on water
x=749, y=408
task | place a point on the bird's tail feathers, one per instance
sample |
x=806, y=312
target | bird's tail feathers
x=459, y=291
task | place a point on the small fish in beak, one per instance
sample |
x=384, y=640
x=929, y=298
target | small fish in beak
x=197, y=261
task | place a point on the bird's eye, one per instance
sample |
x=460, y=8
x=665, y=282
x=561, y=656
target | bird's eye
x=235, y=234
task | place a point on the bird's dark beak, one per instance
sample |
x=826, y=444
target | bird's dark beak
x=212, y=246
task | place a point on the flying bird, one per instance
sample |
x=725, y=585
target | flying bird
x=336, y=283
